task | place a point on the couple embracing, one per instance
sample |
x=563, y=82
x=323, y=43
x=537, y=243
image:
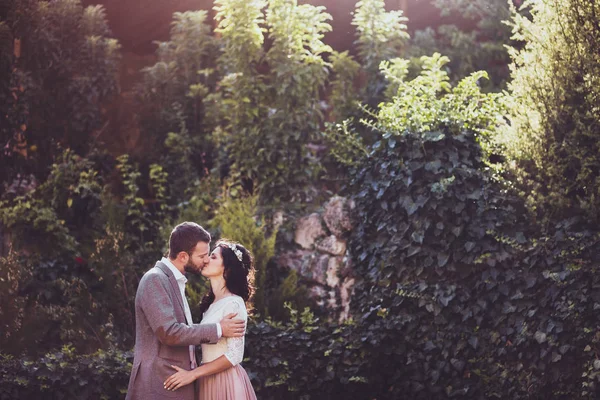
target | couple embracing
x=164, y=363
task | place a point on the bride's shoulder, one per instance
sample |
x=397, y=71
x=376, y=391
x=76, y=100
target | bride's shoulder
x=235, y=300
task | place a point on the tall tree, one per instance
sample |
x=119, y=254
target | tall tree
x=63, y=67
x=380, y=35
x=553, y=139
x=476, y=42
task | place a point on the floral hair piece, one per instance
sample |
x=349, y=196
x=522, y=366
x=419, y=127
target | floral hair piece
x=237, y=252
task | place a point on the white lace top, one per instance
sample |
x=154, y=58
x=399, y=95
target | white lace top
x=233, y=348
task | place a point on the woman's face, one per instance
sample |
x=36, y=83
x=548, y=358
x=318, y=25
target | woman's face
x=215, y=266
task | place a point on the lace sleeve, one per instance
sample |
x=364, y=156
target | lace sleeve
x=235, y=346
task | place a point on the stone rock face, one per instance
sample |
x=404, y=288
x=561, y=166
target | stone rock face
x=332, y=274
x=317, y=269
x=328, y=278
x=345, y=294
x=309, y=265
x=332, y=245
x=320, y=259
x=320, y=294
x=308, y=230
x=337, y=215
x=294, y=260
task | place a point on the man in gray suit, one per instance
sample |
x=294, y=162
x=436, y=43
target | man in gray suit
x=164, y=333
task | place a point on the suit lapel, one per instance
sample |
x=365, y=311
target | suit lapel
x=173, y=282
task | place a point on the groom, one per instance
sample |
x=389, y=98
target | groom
x=164, y=332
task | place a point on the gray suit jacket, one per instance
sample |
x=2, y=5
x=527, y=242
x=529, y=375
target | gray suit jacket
x=162, y=337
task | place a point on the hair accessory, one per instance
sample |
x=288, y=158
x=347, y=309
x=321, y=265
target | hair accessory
x=237, y=252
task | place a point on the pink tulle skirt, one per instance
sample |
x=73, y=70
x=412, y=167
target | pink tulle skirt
x=231, y=384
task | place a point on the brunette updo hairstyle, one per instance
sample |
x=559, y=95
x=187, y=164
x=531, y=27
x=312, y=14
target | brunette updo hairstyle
x=239, y=275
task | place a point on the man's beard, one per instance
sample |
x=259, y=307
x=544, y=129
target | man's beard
x=192, y=268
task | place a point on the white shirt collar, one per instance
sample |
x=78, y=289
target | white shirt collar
x=178, y=275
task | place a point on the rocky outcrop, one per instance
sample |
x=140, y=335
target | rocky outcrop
x=332, y=245
x=321, y=258
x=308, y=230
x=345, y=293
x=337, y=215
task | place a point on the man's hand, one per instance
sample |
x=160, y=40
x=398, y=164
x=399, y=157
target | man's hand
x=232, y=327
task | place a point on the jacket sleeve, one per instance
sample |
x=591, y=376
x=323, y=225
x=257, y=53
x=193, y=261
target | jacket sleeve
x=154, y=300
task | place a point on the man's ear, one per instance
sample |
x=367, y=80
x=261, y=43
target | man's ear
x=183, y=257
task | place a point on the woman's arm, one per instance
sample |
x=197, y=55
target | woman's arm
x=183, y=377
x=232, y=357
x=213, y=367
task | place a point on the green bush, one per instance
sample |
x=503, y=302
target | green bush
x=84, y=251
x=483, y=304
x=272, y=113
x=237, y=220
x=65, y=375
x=344, y=94
x=43, y=220
x=15, y=92
x=13, y=315
x=498, y=332
x=471, y=49
x=66, y=70
x=171, y=99
x=143, y=222
x=553, y=138
x=380, y=35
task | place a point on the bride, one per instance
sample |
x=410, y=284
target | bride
x=220, y=376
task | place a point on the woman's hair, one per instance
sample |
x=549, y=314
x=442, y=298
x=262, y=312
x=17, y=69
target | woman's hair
x=239, y=275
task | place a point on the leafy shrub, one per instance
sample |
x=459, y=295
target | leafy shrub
x=425, y=340
x=15, y=91
x=273, y=112
x=66, y=69
x=380, y=35
x=141, y=222
x=477, y=296
x=171, y=99
x=66, y=375
x=237, y=220
x=470, y=50
x=344, y=94
x=43, y=219
x=84, y=250
x=13, y=272
x=552, y=140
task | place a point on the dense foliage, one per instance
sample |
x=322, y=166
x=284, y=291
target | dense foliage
x=553, y=137
x=475, y=38
x=474, y=250
x=170, y=98
x=381, y=35
x=76, y=245
x=235, y=96
x=235, y=221
x=482, y=303
x=59, y=66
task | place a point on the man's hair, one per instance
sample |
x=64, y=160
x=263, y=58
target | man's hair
x=185, y=237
